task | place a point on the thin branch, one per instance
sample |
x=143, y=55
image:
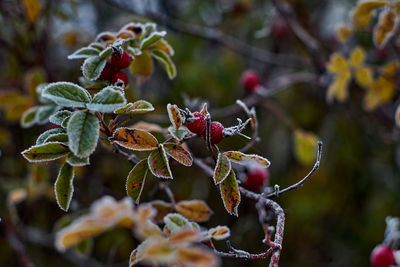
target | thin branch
x=131, y=157
x=302, y=181
x=216, y=36
x=168, y=191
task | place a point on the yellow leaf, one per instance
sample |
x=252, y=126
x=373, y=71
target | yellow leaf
x=357, y=57
x=134, y=139
x=142, y=65
x=219, y=232
x=304, y=146
x=194, y=210
x=174, y=115
x=198, y=257
x=185, y=236
x=337, y=64
x=164, y=46
x=364, y=76
x=385, y=28
x=343, y=32
x=156, y=249
x=362, y=13
x=32, y=9
x=339, y=88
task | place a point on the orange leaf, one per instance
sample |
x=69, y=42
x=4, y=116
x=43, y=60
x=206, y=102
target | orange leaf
x=385, y=28
x=134, y=139
x=178, y=153
x=194, y=210
x=230, y=193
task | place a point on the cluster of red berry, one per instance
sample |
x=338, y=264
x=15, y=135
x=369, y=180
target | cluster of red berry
x=112, y=71
x=198, y=126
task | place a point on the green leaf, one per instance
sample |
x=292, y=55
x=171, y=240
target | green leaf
x=83, y=131
x=59, y=117
x=92, y=67
x=176, y=222
x=158, y=163
x=178, y=153
x=106, y=52
x=136, y=179
x=77, y=161
x=151, y=39
x=178, y=133
x=67, y=94
x=63, y=187
x=138, y=107
x=61, y=138
x=97, y=46
x=84, y=52
x=28, y=118
x=45, y=152
x=241, y=158
x=142, y=65
x=222, y=168
x=134, y=139
x=230, y=193
x=44, y=112
x=40, y=140
x=166, y=62
x=107, y=100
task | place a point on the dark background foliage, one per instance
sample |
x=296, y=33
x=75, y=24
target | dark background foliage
x=333, y=220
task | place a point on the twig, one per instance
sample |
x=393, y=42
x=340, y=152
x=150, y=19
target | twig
x=168, y=191
x=131, y=157
x=302, y=181
x=208, y=136
x=216, y=36
x=254, y=125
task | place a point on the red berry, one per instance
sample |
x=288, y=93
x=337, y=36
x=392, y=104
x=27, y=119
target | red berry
x=120, y=76
x=382, y=256
x=107, y=72
x=216, y=132
x=121, y=61
x=279, y=29
x=256, y=179
x=250, y=81
x=198, y=126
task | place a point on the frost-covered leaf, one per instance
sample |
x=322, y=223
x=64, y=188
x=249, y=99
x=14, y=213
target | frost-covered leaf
x=83, y=132
x=92, y=67
x=166, y=62
x=362, y=13
x=178, y=134
x=158, y=163
x=138, y=107
x=385, y=28
x=77, y=161
x=63, y=187
x=194, y=210
x=305, y=145
x=44, y=112
x=107, y=100
x=219, y=232
x=178, y=153
x=59, y=117
x=60, y=137
x=151, y=39
x=222, y=168
x=106, y=52
x=134, y=139
x=40, y=140
x=84, y=52
x=174, y=115
x=97, y=46
x=28, y=118
x=142, y=65
x=241, y=158
x=67, y=94
x=176, y=222
x=230, y=193
x=136, y=179
x=163, y=45
x=45, y=152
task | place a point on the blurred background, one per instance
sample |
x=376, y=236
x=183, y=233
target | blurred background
x=335, y=219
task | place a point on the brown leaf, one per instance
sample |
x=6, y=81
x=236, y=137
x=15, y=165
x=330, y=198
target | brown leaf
x=162, y=207
x=185, y=236
x=134, y=139
x=178, y=153
x=191, y=256
x=385, y=28
x=194, y=210
x=230, y=193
